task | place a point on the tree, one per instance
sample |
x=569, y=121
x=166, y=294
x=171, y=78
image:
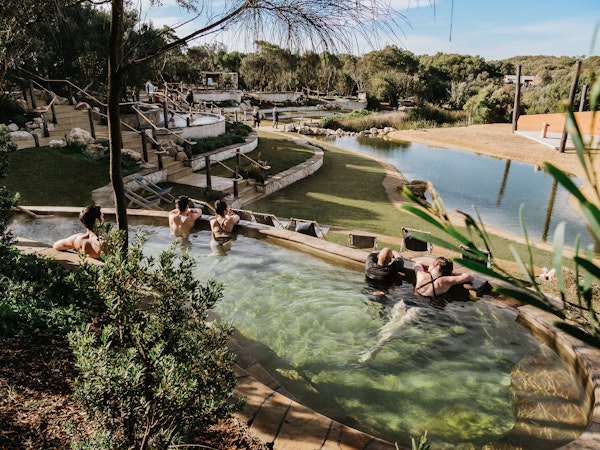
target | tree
x=328, y=23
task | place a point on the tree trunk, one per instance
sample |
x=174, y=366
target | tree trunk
x=115, y=83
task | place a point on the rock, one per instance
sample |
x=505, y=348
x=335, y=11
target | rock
x=82, y=106
x=13, y=127
x=57, y=143
x=81, y=136
x=417, y=187
x=21, y=136
x=181, y=156
x=132, y=154
x=96, y=149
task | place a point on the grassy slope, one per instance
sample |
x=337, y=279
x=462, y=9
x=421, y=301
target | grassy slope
x=46, y=176
x=346, y=192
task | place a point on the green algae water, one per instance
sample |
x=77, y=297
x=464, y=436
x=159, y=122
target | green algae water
x=395, y=367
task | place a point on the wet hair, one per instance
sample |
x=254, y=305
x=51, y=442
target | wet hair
x=446, y=266
x=182, y=203
x=88, y=216
x=220, y=207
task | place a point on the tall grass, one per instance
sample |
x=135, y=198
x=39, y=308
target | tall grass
x=425, y=116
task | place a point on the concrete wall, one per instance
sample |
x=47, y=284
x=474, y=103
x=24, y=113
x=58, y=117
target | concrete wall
x=556, y=122
x=207, y=130
x=218, y=96
x=293, y=174
x=198, y=162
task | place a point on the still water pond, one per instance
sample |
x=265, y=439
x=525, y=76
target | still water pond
x=457, y=371
x=496, y=187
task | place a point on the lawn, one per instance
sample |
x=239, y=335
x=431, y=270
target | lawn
x=50, y=176
x=346, y=192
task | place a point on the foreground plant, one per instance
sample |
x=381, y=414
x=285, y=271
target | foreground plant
x=529, y=290
x=156, y=370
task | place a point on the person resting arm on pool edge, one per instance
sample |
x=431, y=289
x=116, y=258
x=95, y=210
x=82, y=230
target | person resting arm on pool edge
x=382, y=267
x=88, y=242
x=222, y=223
x=438, y=278
x=183, y=218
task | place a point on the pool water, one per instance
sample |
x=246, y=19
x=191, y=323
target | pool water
x=394, y=367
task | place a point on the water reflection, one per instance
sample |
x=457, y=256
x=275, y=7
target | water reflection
x=465, y=181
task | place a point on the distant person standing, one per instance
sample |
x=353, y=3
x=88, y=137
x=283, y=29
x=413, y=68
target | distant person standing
x=275, y=117
x=190, y=98
x=256, y=118
x=149, y=90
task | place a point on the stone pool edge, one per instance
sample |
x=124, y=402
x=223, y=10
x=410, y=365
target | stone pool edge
x=291, y=425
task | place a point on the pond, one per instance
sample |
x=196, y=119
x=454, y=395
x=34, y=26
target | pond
x=496, y=187
x=395, y=367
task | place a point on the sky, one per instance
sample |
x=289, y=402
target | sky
x=492, y=29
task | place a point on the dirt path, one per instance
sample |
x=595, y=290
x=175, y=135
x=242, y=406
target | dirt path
x=493, y=140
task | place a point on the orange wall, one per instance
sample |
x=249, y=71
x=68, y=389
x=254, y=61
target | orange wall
x=557, y=122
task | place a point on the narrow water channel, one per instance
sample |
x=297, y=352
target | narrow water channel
x=495, y=187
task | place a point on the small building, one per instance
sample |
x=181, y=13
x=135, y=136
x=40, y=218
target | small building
x=526, y=80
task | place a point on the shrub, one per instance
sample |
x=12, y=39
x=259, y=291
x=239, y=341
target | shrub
x=209, y=144
x=157, y=369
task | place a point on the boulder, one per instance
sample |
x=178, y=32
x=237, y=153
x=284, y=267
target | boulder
x=82, y=106
x=417, y=187
x=21, y=136
x=13, y=127
x=133, y=155
x=96, y=149
x=181, y=156
x=57, y=143
x=81, y=136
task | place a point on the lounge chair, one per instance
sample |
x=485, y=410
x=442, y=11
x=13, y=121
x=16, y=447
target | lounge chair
x=154, y=191
x=136, y=199
x=477, y=255
x=308, y=227
x=362, y=241
x=268, y=219
x=206, y=208
x=412, y=243
x=244, y=214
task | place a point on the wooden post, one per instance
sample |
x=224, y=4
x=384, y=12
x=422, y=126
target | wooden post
x=563, y=140
x=91, y=119
x=159, y=155
x=583, y=96
x=45, y=125
x=53, y=109
x=238, y=161
x=235, y=188
x=33, y=103
x=517, y=103
x=166, y=113
x=36, y=139
x=144, y=137
x=207, y=167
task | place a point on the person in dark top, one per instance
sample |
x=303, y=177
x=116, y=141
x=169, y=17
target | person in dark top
x=382, y=267
x=190, y=97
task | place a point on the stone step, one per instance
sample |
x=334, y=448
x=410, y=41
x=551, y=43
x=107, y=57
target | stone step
x=174, y=174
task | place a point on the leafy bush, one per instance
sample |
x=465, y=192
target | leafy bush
x=40, y=295
x=209, y=144
x=238, y=128
x=157, y=369
x=10, y=110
